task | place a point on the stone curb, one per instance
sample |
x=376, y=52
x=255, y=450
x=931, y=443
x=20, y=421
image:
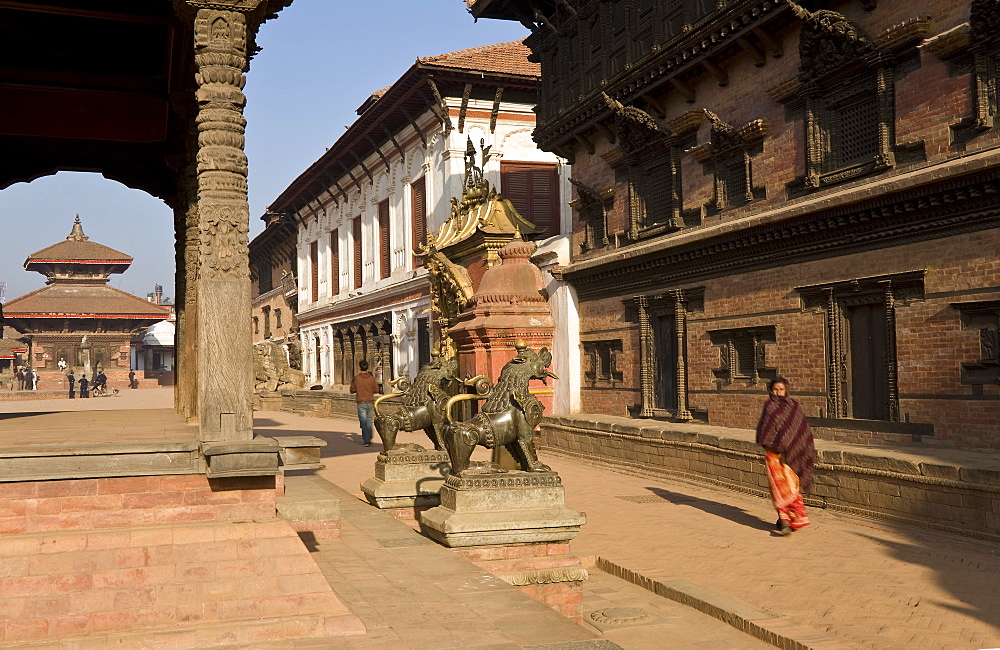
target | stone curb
x=781, y=632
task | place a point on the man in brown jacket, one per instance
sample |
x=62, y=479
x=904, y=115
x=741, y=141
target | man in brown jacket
x=364, y=388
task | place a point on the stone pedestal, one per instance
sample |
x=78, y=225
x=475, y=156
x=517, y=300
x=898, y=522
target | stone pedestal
x=516, y=526
x=407, y=477
x=502, y=508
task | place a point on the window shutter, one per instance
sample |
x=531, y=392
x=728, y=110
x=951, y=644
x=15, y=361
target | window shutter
x=314, y=263
x=334, y=263
x=385, y=257
x=534, y=191
x=418, y=205
x=358, y=264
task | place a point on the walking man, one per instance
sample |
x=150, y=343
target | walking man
x=364, y=388
x=72, y=384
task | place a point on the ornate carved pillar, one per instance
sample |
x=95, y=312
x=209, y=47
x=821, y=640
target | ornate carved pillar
x=680, y=331
x=891, y=369
x=647, y=359
x=835, y=402
x=221, y=331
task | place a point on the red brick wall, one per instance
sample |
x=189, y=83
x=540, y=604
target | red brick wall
x=931, y=96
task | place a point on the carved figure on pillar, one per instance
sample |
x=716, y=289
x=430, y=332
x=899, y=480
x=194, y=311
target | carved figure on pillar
x=509, y=415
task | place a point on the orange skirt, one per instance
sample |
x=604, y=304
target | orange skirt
x=785, y=492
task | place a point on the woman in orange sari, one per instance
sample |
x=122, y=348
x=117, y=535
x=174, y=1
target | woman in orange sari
x=784, y=433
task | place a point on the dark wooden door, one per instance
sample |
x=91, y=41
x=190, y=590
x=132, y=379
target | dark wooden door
x=866, y=361
x=665, y=353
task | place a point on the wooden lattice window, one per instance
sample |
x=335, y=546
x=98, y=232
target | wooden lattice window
x=335, y=262
x=742, y=354
x=385, y=242
x=984, y=317
x=358, y=249
x=314, y=269
x=418, y=220
x=603, y=361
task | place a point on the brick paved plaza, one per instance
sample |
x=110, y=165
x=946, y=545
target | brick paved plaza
x=700, y=562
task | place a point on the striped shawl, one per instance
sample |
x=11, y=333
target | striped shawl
x=783, y=428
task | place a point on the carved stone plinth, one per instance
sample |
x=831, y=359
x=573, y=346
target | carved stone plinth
x=492, y=509
x=406, y=477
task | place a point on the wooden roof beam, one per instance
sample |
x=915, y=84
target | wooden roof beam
x=466, y=93
x=772, y=45
x=413, y=123
x=683, y=89
x=717, y=71
x=753, y=51
x=378, y=151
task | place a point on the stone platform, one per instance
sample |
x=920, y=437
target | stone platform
x=407, y=477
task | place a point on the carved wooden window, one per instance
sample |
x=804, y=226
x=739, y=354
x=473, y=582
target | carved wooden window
x=984, y=317
x=256, y=327
x=358, y=249
x=728, y=155
x=594, y=41
x=266, y=311
x=848, y=96
x=335, y=262
x=265, y=279
x=423, y=342
x=277, y=318
x=984, y=25
x=663, y=351
x=603, y=361
x=742, y=355
x=418, y=219
x=385, y=243
x=618, y=39
x=314, y=269
x=592, y=207
x=533, y=188
x=862, y=374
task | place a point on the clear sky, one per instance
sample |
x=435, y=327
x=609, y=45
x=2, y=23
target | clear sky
x=321, y=59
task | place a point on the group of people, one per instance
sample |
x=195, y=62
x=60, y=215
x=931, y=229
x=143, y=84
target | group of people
x=26, y=378
x=97, y=385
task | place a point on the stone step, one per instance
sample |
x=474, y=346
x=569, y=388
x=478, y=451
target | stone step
x=76, y=571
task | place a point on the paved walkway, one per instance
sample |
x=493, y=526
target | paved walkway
x=842, y=582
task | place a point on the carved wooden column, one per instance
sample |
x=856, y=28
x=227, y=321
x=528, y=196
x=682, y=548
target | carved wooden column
x=680, y=331
x=835, y=401
x=221, y=331
x=647, y=358
x=891, y=369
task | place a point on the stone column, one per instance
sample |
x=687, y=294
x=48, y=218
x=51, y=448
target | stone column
x=221, y=331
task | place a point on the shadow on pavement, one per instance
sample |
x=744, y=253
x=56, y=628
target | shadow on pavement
x=959, y=568
x=732, y=513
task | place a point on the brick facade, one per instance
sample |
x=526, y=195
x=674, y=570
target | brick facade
x=860, y=260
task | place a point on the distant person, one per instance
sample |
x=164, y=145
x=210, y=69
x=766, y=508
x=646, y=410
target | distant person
x=784, y=433
x=20, y=377
x=62, y=365
x=29, y=379
x=131, y=379
x=72, y=384
x=364, y=388
x=84, y=388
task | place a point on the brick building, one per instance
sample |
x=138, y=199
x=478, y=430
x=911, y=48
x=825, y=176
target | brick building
x=771, y=189
x=362, y=210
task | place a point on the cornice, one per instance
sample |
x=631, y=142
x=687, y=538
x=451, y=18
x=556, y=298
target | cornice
x=875, y=215
x=375, y=299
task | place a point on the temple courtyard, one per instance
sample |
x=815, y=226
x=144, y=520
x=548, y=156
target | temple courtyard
x=672, y=564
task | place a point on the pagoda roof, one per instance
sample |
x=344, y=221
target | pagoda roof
x=77, y=248
x=9, y=348
x=82, y=301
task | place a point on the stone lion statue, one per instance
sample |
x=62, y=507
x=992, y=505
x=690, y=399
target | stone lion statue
x=508, y=417
x=422, y=402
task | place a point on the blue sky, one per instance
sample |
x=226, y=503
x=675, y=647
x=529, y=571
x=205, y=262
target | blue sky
x=320, y=60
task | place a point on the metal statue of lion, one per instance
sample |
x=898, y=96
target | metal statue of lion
x=508, y=417
x=422, y=402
